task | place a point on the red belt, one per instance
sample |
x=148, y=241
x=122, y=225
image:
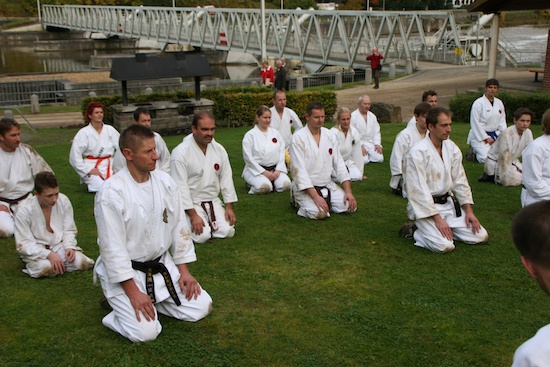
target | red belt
x=98, y=162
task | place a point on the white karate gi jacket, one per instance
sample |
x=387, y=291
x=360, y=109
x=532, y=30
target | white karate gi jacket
x=403, y=142
x=503, y=157
x=427, y=175
x=284, y=124
x=263, y=149
x=163, y=162
x=412, y=121
x=535, y=352
x=17, y=171
x=87, y=142
x=369, y=129
x=31, y=234
x=485, y=116
x=201, y=177
x=350, y=147
x=129, y=230
x=311, y=164
x=536, y=171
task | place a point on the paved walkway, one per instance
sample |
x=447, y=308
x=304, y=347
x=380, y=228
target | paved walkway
x=48, y=120
x=447, y=80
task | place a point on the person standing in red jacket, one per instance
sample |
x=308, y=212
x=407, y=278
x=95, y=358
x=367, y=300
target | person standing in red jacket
x=375, y=66
x=267, y=74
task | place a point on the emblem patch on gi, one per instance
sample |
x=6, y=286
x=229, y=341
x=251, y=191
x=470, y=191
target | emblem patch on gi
x=274, y=140
x=165, y=216
x=330, y=151
x=216, y=167
x=291, y=122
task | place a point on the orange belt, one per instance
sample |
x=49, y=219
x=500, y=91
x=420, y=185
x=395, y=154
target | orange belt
x=98, y=162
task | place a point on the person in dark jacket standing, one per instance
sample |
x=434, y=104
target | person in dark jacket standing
x=375, y=66
x=280, y=76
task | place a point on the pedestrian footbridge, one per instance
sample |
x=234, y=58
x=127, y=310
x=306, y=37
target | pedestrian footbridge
x=317, y=38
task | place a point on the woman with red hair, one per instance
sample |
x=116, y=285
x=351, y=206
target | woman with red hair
x=94, y=148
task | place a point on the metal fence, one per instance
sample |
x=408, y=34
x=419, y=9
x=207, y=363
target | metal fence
x=18, y=93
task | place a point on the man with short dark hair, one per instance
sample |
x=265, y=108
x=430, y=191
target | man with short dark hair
x=487, y=121
x=200, y=166
x=19, y=164
x=403, y=142
x=430, y=97
x=142, y=116
x=436, y=186
x=314, y=155
x=145, y=245
x=531, y=234
x=45, y=232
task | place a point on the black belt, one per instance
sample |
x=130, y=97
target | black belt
x=269, y=168
x=15, y=201
x=211, y=216
x=154, y=267
x=442, y=199
x=327, y=199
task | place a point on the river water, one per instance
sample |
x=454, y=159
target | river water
x=23, y=59
x=528, y=43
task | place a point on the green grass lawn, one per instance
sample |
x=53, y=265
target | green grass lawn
x=288, y=291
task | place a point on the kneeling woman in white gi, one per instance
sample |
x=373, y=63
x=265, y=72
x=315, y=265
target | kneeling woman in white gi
x=264, y=156
x=349, y=143
x=45, y=232
x=93, y=149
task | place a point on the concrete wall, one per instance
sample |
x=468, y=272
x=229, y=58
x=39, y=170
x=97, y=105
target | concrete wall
x=168, y=117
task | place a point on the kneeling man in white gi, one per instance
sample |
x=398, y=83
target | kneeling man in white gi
x=440, y=198
x=200, y=166
x=45, y=232
x=314, y=155
x=139, y=219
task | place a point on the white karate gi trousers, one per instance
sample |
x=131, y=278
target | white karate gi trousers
x=261, y=185
x=481, y=148
x=428, y=236
x=373, y=156
x=43, y=267
x=123, y=317
x=308, y=209
x=224, y=229
x=7, y=219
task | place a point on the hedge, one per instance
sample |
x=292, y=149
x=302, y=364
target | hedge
x=538, y=102
x=234, y=106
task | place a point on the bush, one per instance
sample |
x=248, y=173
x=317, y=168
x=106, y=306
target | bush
x=233, y=106
x=537, y=102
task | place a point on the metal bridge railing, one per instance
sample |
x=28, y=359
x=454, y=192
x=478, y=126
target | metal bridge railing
x=316, y=37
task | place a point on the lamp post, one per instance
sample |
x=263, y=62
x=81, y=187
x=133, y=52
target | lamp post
x=262, y=12
x=39, y=12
